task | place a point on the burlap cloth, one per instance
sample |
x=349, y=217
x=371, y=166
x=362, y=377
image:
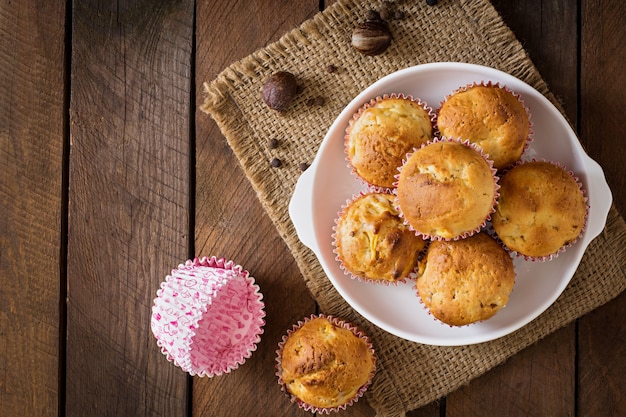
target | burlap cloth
x=409, y=374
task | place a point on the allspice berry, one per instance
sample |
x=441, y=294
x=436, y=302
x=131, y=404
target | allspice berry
x=371, y=37
x=279, y=90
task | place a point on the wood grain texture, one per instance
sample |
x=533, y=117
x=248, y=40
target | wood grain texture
x=129, y=201
x=538, y=381
x=31, y=156
x=603, y=90
x=602, y=333
x=152, y=180
x=601, y=363
x=434, y=409
x=548, y=30
x=230, y=221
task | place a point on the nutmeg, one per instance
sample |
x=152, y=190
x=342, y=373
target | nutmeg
x=371, y=37
x=279, y=90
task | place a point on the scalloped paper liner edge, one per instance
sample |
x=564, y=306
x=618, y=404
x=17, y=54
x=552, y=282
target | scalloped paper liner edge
x=220, y=263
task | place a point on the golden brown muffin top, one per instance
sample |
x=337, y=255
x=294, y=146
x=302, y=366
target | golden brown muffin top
x=325, y=365
x=382, y=135
x=541, y=209
x=373, y=242
x=446, y=189
x=489, y=116
x=467, y=280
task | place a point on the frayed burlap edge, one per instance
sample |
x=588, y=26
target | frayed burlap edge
x=409, y=374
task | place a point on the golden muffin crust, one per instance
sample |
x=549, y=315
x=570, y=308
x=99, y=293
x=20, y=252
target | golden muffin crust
x=325, y=365
x=541, y=209
x=373, y=242
x=446, y=189
x=489, y=116
x=467, y=280
x=382, y=135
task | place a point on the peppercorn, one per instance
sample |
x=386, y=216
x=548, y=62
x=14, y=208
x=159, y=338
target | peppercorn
x=275, y=163
x=315, y=101
x=303, y=166
x=386, y=11
x=331, y=68
x=272, y=143
x=372, y=15
x=431, y=2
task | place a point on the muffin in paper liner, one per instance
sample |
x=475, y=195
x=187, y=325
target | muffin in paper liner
x=490, y=115
x=408, y=120
x=465, y=281
x=372, y=243
x=208, y=316
x=332, y=367
x=447, y=189
x=543, y=210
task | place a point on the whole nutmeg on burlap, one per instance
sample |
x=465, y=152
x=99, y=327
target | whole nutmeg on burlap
x=371, y=37
x=279, y=90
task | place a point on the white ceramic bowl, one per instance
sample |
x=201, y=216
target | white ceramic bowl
x=328, y=183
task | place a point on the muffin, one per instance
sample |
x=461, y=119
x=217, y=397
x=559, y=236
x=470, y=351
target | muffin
x=541, y=210
x=325, y=363
x=382, y=132
x=373, y=243
x=446, y=190
x=467, y=280
x=490, y=116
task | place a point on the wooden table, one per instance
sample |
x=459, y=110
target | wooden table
x=110, y=176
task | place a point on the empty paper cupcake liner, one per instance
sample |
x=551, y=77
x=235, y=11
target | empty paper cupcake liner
x=339, y=323
x=208, y=316
x=467, y=233
x=431, y=114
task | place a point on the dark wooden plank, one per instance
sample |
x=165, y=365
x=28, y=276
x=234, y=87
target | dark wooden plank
x=230, y=221
x=603, y=90
x=32, y=105
x=602, y=333
x=434, y=409
x=601, y=364
x=129, y=201
x=537, y=381
x=542, y=377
